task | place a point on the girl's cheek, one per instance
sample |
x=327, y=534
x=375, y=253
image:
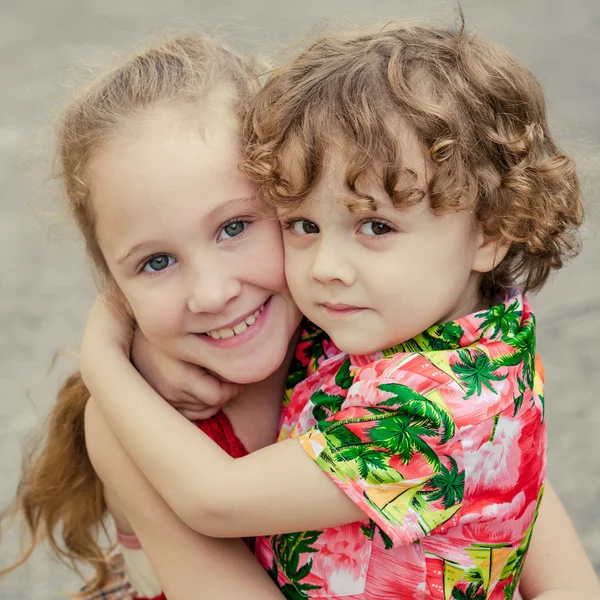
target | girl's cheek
x=157, y=315
x=268, y=260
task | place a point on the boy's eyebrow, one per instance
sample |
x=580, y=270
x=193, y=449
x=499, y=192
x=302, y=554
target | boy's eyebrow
x=215, y=212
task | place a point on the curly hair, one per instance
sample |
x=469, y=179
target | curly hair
x=478, y=112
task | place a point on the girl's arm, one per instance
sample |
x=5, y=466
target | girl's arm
x=557, y=566
x=187, y=564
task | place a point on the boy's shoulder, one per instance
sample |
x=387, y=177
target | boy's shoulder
x=479, y=366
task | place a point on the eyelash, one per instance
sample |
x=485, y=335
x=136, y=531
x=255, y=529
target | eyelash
x=246, y=220
x=393, y=228
x=143, y=264
x=288, y=224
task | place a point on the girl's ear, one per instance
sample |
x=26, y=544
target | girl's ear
x=490, y=253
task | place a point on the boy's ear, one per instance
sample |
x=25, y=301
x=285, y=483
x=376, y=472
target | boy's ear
x=490, y=253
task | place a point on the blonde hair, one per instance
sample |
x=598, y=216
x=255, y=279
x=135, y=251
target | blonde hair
x=59, y=486
x=477, y=111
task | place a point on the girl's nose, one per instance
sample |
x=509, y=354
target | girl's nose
x=212, y=293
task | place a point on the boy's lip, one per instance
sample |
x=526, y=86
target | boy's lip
x=340, y=309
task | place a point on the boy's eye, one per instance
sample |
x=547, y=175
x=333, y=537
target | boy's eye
x=375, y=228
x=232, y=230
x=304, y=227
x=158, y=263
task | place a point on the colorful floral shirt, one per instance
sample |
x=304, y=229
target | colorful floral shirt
x=440, y=441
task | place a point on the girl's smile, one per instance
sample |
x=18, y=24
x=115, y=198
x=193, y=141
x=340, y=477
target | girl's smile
x=240, y=331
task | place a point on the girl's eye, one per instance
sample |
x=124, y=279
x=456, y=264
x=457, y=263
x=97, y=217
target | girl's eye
x=232, y=230
x=303, y=227
x=374, y=228
x=158, y=263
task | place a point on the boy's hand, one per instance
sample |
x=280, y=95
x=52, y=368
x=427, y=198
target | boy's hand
x=190, y=389
x=109, y=329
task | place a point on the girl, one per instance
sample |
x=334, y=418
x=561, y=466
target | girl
x=190, y=75
x=409, y=140
x=185, y=82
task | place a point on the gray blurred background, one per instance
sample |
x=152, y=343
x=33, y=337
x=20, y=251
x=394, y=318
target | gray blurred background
x=45, y=286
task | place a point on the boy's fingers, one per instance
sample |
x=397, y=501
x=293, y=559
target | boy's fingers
x=200, y=415
x=210, y=391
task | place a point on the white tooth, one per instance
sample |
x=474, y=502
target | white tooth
x=226, y=333
x=255, y=315
x=251, y=320
x=214, y=335
x=240, y=327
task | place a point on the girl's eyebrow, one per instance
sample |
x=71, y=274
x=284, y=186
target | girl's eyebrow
x=221, y=208
x=135, y=249
x=215, y=212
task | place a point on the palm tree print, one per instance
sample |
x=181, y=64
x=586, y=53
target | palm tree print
x=325, y=404
x=476, y=371
x=471, y=592
x=444, y=336
x=422, y=409
x=288, y=549
x=448, y=485
x=523, y=343
x=503, y=320
x=402, y=436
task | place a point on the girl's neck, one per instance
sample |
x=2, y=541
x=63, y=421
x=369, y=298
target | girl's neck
x=254, y=414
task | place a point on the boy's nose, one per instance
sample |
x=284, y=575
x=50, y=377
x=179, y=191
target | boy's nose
x=331, y=265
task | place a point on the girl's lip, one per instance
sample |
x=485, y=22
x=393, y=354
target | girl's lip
x=243, y=337
x=239, y=319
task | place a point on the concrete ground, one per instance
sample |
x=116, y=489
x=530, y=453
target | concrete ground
x=45, y=289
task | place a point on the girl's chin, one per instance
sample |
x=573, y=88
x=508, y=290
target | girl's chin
x=249, y=370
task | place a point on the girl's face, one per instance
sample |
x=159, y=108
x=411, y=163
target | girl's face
x=375, y=279
x=201, y=271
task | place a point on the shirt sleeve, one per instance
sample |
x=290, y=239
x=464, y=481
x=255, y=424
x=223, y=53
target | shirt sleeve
x=394, y=452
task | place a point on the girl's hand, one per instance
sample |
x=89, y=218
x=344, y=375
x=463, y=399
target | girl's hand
x=189, y=388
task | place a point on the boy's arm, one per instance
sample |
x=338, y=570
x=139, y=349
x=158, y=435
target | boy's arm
x=211, y=492
x=274, y=490
x=281, y=488
x=187, y=564
x=557, y=566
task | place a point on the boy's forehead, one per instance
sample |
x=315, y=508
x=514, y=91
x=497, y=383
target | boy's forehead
x=335, y=152
x=337, y=164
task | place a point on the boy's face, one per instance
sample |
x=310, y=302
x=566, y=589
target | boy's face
x=374, y=279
